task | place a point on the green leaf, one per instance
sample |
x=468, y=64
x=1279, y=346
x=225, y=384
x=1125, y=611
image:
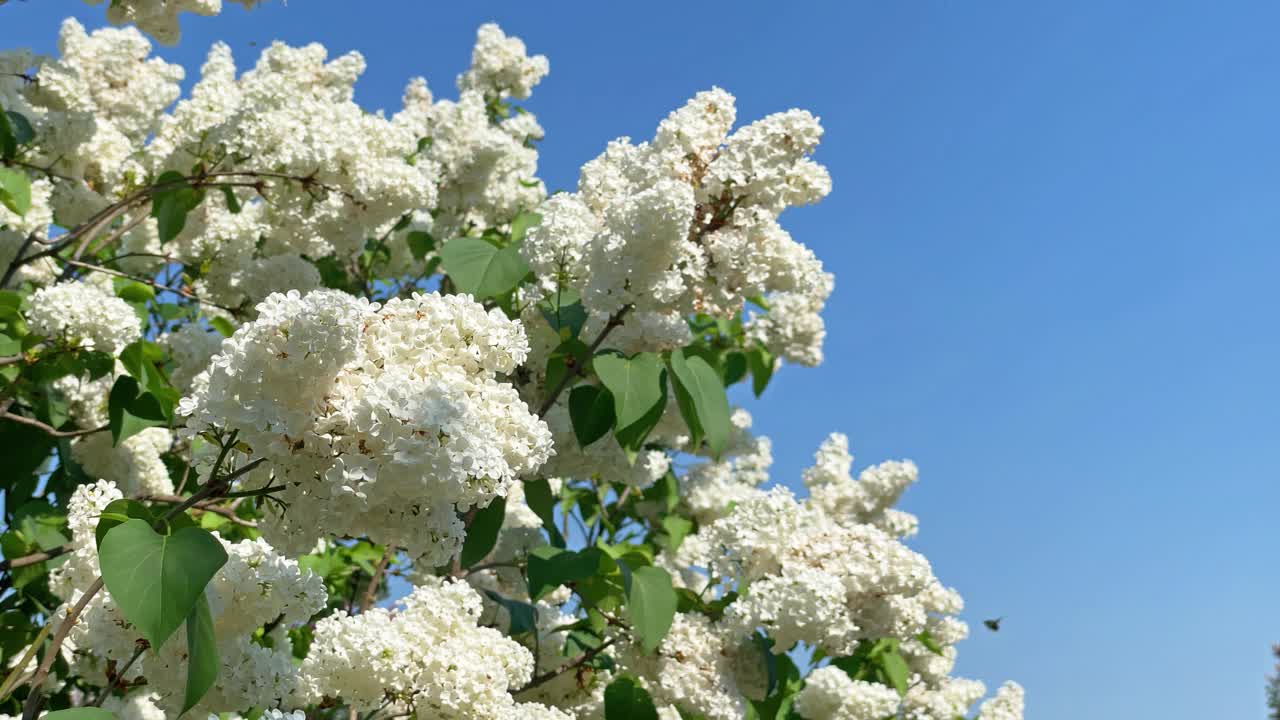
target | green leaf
x=233, y=202
x=124, y=510
x=651, y=604
x=569, y=356
x=20, y=127
x=537, y=495
x=895, y=670
x=26, y=448
x=625, y=699
x=702, y=400
x=482, y=269
x=135, y=292
x=521, y=224
x=15, y=190
x=80, y=713
x=130, y=411
x=930, y=644
x=550, y=567
x=564, y=313
x=420, y=243
x=482, y=534
x=761, y=363
x=202, y=653
x=591, y=410
x=8, y=143
x=524, y=617
x=676, y=528
x=170, y=206
x=156, y=579
x=9, y=346
x=735, y=367
x=222, y=325
x=97, y=363
x=639, y=389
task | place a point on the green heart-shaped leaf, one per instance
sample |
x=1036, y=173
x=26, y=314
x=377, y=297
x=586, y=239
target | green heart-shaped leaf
x=157, y=579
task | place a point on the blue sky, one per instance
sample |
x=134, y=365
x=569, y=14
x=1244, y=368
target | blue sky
x=1054, y=230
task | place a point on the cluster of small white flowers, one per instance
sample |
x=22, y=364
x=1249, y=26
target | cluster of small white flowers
x=687, y=223
x=83, y=315
x=711, y=488
x=500, y=67
x=693, y=669
x=134, y=466
x=430, y=650
x=830, y=694
x=793, y=328
x=83, y=508
x=139, y=705
x=487, y=165
x=867, y=500
x=159, y=18
x=1006, y=704
x=293, y=113
x=382, y=420
x=93, y=109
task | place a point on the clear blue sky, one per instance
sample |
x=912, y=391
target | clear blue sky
x=1056, y=235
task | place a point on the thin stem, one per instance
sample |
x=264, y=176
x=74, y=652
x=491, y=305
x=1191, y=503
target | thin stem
x=139, y=647
x=17, y=261
x=49, y=429
x=371, y=592
x=582, y=660
x=31, y=708
x=206, y=506
x=615, y=320
x=152, y=283
x=34, y=558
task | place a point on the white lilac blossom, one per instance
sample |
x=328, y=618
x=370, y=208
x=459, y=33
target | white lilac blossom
x=830, y=694
x=380, y=420
x=159, y=18
x=687, y=223
x=429, y=650
x=82, y=315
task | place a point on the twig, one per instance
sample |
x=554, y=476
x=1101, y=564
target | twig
x=52, y=431
x=139, y=647
x=17, y=261
x=205, y=506
x=371, y=592
x=582, y=660
x=152, y=283
x=615, y=320
x=31, y=708
x=35, y=558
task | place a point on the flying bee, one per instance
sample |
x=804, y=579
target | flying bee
x=993, y=625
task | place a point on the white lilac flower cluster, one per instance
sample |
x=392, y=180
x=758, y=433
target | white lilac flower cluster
x=702, y=668
x=830, y=694
x=255, y=587
x=311, y=174
x=380, y=420
x=159, y=18
x=135, y=466
x=429, y=654
x=83, y=315
x=688, y=223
